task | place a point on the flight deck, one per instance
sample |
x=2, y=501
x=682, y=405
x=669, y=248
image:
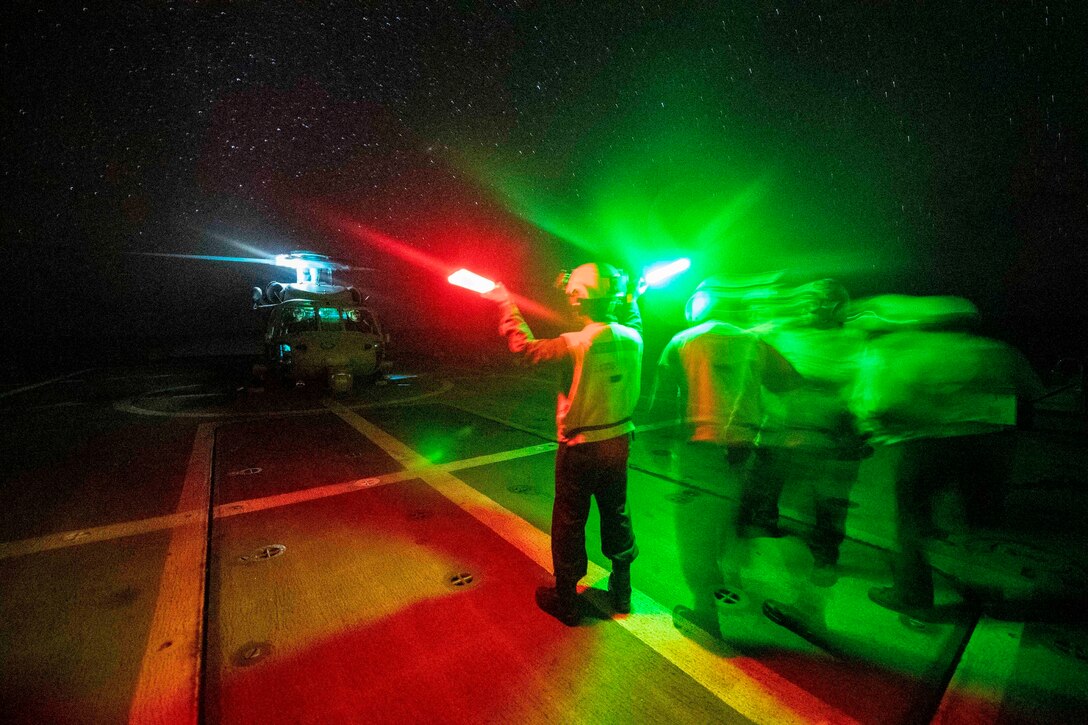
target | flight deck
x=182, y=544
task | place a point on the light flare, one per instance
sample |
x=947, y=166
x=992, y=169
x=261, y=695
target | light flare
x=662, y=273
x=374, y=238
x=471, y=281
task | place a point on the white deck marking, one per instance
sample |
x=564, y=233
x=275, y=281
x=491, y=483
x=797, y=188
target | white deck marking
x=743, y=684
x=117, y=378
x=53, y=406
x=550, y=433
x=538, y=432
x=981, y=679
x=168, y=687
x=25, y=388
x=95, y=534
x=131, y=406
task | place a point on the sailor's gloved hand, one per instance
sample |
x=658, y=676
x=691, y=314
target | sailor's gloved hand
x=634, y=291
x=498, y=294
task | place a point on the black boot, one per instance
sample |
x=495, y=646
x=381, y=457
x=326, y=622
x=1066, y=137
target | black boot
x=560, y=601
x=619, y=588
x=914, y=607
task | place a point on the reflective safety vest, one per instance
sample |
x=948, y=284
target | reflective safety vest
x=605, y=384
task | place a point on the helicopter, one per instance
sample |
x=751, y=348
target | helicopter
x=316, y=328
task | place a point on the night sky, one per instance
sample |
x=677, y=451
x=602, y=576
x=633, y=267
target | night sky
x=899, y=146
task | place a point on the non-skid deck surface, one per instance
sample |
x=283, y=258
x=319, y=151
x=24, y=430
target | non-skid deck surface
x=394, y=605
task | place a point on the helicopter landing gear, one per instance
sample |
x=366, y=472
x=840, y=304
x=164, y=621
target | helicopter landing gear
x=340, y=381
x=259, y=376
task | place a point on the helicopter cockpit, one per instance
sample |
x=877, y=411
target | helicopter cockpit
x=299, y=316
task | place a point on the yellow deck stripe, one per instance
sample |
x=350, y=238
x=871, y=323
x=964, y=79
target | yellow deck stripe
x=754, y=691
x=168, y=687
x=78, y=537
x=528, y=539
x=95, y=534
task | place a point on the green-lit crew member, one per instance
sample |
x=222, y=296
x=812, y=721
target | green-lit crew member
x=716, y=370
x=949, y=402
x=713, y=374
x=601, y=367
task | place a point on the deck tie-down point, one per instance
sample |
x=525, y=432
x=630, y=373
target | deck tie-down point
x=252, y=652
x=265, y=552
x=461, y=579
x=682, y=497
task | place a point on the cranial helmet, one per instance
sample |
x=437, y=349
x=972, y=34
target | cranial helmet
x=827, y=300
x=593, y=281
x=728, y=297
x=891, y=312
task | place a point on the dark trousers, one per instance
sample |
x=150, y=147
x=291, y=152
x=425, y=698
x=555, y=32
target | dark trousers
x=977, y=466
x=824, y=478
x=711, y=530
x=761, y=487
x=584, y=471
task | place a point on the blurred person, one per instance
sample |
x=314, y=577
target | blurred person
x=947, y=402
x=714, y=372
x=600, y=367
x=817, y=445
x=820, y=447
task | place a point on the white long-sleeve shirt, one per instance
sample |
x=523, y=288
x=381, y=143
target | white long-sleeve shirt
x=602, y=377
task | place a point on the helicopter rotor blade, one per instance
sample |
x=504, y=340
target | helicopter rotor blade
x=345, y=266
x=208, y=257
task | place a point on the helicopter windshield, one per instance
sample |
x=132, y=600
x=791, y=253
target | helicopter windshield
x=329, y=319
x=358, y=321
x=300, y=318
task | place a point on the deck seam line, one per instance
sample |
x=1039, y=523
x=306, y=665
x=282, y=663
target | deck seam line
x=979, y=680
x=16, y=391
